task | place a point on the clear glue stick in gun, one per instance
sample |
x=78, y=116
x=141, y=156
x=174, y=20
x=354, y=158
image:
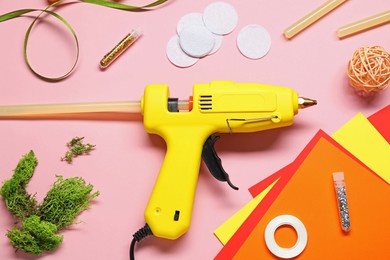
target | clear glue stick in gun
x=342, y=203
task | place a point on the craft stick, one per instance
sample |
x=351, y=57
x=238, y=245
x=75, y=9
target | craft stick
x=312, y=17
x=49, y=109
x=364, y=24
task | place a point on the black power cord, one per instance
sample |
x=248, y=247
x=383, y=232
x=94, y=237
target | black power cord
x=138, y=236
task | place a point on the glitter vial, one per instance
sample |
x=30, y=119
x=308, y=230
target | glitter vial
x=120, y=48
x=342, y=203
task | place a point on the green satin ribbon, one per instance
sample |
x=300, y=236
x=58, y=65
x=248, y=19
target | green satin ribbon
x=124, y=7
x=106, y=3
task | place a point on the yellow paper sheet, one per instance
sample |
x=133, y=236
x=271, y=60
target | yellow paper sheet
x=362, y=139
x=227, y=229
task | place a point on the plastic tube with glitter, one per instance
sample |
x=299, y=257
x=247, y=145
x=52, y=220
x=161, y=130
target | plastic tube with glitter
x=342, y=203
x=120, y=48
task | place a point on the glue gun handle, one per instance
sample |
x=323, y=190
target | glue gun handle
x=169, y=210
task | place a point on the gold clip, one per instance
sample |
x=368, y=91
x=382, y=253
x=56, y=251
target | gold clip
x=258, y=119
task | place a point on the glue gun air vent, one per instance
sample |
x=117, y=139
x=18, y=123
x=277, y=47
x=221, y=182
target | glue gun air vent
x=205, y=102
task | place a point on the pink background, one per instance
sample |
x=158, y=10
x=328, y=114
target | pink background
x=126, y=161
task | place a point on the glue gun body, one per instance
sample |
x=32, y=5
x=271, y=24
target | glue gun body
x=218, y=107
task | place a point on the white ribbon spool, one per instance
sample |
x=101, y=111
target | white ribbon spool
x=282, y=252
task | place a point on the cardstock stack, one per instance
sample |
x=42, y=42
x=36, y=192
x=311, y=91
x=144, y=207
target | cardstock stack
x=267, y=197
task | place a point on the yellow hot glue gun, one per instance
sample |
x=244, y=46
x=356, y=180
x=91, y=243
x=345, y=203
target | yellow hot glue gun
x=187, y=128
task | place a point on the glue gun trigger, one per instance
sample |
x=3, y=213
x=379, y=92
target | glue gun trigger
x=213, y=162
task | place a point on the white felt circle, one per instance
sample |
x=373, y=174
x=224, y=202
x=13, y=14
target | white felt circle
x=270, y=236
x=177, y=56
x=220, y=18
x=196, y=40
x=218, y=43
x=189, y=19
x=254, y=41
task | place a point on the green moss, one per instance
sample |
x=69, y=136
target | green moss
x=43, y=231
x=35, y=236
x=19, y=202
x=39, y=223
x=24, y=240
x=25, y=168
x=76, y=148
x=65, y=200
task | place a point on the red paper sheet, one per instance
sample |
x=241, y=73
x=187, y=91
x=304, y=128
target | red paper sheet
x=381, y=122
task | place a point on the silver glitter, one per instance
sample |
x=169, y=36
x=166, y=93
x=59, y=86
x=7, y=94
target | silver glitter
x=342, y=201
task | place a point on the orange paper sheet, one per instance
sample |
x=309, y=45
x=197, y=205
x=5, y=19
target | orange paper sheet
x=284, y=175
x=309, y=195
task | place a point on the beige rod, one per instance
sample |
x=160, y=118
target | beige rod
x=312, y=17
x=50, y=109
x=364, y=24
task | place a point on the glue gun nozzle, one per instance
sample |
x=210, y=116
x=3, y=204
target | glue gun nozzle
x=306, y=102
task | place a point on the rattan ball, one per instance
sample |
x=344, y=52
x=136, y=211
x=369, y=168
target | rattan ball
x=369, y=69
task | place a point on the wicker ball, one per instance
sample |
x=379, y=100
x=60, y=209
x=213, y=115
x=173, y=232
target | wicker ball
x=369, y=69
